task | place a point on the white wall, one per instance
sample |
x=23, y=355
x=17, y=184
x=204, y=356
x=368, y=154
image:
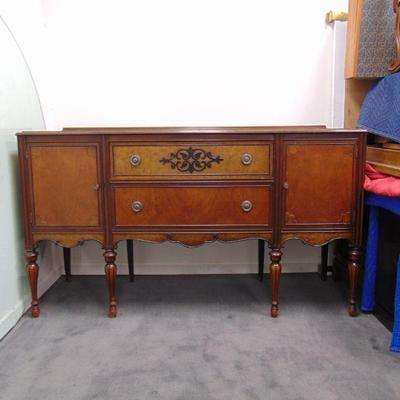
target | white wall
x=185, y=62
x=19, y=109
x=181, y=62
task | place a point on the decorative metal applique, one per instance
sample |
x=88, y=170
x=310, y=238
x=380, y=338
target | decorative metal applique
x=191, y=160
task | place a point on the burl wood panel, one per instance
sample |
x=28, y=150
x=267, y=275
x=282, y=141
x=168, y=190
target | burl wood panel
x=188, y=206
x=222, y=161
x=192, y=239
x=319, y=183
x=316, y=238
x=68, y=239
x=65, y=185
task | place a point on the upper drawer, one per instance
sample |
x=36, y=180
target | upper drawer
x=190, y=161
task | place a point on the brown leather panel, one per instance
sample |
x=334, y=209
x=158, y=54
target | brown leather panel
x=65, y=185
x=192, y=206
x=319, y=183
x=166, y=161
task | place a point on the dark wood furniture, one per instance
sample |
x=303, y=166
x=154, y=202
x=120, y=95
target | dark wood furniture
x=386, y=274
x=371, y=38
x=191, y=186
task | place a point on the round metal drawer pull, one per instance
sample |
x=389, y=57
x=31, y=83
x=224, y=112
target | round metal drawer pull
x=247, y=205
x=135, y=160
x=137, y=206
x=247, y=159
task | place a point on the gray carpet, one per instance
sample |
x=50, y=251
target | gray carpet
x=198, y=337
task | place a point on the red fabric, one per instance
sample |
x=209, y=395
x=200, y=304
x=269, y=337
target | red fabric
x=379, y=183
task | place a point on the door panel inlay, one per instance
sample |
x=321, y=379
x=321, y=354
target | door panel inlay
x=318, y=183
x=65, y=185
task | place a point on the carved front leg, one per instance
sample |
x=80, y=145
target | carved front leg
x=33, y=272
x=353, y=267
x=111, y=274
x=275, y=270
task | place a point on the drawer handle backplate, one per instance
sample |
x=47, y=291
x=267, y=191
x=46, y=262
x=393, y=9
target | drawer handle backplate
x=247, y=159
x=135, y=160
x=191, y=160
x=247, y=205
x=137, y=206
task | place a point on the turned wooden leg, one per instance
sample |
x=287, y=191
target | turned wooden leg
x=111, y=274
x=275, y=270
x=67, y=263
x=33, y=272
x=261, y=254
x=324, y=262
x=353, y=267
x=129, y=248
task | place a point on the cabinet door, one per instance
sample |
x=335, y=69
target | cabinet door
x=65, y=185
x=318, y=183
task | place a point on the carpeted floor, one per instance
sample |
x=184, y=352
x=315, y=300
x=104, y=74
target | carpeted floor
x=198, y=337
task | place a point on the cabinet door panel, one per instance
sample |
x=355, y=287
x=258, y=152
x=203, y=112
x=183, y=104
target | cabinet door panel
x=319, y=183
x=65, y=185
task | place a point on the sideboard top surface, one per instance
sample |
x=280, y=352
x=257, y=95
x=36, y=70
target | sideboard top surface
x=191, y=130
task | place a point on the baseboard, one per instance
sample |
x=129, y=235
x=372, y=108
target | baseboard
x=185, y=269
x=10, y=319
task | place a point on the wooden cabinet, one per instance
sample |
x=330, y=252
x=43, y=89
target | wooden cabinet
x=371, y=39
x=373, y=31
x=192, y=185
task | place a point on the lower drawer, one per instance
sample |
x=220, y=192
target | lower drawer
x=167, y=205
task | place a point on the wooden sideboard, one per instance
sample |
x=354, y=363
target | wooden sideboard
x=191, y=186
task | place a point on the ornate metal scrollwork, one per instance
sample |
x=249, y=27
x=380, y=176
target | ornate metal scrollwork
x=191, y=160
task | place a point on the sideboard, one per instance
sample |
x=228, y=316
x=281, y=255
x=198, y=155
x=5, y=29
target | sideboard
x=192, y=186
